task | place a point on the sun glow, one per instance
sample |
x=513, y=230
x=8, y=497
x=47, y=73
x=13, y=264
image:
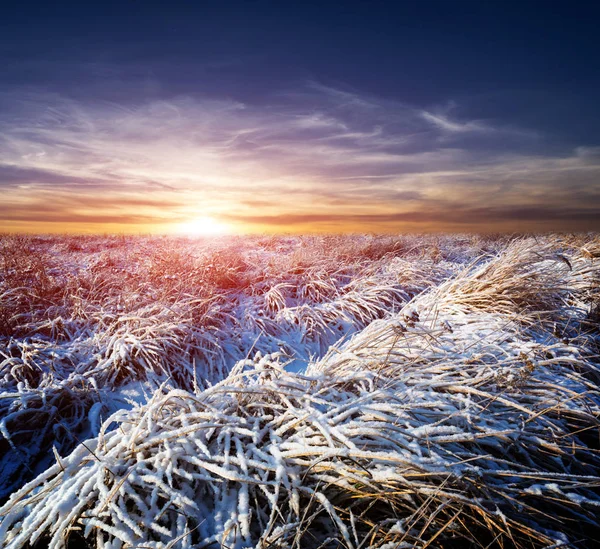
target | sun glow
x=203, y=226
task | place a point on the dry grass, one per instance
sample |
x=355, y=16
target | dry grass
x=467, y=417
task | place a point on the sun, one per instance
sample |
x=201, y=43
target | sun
x=203, y=226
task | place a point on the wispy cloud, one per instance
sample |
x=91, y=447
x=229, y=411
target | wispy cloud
x=455, y=217
x=315, y=155
x=12, y=176
x=444, y=123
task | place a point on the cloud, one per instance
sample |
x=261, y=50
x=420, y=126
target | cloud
x=11, y=176
x=316, y=154
x=475, y=217
x=444, y=123
x=70, y=217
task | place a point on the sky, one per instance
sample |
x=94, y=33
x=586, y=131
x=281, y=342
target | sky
x=295, y=117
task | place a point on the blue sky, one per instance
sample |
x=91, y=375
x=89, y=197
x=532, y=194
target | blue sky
x=294, y=117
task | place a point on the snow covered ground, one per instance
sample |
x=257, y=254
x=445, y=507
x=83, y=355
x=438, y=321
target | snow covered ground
x=356, y=391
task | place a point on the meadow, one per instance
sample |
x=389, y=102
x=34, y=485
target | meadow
x=300, y=391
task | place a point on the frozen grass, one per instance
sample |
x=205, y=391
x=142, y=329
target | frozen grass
x=465, y=412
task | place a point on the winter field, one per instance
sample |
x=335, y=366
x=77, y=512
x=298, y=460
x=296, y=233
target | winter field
x=300, y=392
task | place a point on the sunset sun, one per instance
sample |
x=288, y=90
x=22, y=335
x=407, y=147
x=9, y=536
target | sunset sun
x=203, y=226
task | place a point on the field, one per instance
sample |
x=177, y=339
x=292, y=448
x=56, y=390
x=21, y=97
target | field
x=300, y=392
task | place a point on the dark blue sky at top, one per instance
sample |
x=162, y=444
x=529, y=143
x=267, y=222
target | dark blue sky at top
x=532, y=63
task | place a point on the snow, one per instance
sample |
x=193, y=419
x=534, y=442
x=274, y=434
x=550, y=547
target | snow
x=237, y=395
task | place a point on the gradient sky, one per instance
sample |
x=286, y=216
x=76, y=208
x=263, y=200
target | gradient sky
x=340, y=116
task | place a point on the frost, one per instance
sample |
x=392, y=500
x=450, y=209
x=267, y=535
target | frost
x=303, y=392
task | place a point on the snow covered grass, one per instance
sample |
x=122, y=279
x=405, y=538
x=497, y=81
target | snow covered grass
x=209, y=394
